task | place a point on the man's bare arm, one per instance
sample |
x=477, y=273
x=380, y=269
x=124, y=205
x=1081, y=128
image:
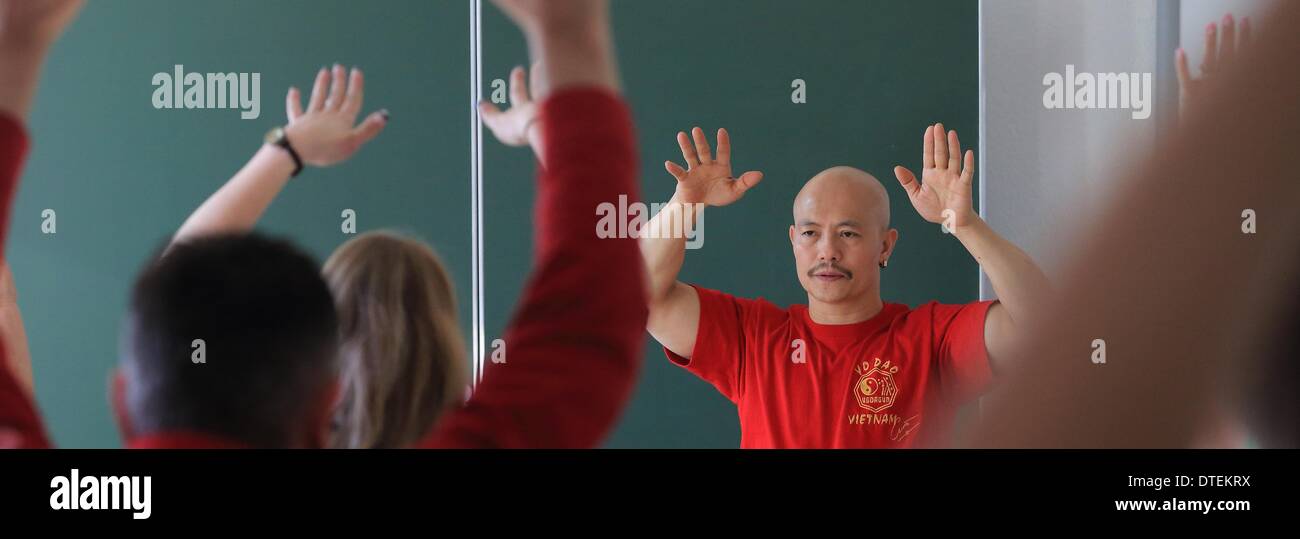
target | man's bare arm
x=943, y=196
x=675, y=306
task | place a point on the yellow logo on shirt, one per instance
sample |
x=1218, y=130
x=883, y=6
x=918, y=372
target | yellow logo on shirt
x=875, y=389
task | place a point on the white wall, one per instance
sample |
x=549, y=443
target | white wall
x=1041, y=169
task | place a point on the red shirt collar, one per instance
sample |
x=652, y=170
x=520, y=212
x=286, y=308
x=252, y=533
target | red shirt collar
x=838, y=335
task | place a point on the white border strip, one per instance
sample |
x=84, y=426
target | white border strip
x=476, y=192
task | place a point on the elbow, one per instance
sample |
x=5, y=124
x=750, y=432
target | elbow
x=659, y=295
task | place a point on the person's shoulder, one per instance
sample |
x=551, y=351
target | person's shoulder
x=895, y=313
x=934, y=312
x=759, y=307
x=794, y=311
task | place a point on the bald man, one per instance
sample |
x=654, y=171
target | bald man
x=847, y=370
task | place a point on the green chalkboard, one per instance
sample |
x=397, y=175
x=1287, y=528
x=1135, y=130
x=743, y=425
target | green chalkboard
x=121, y=175
x=876, y=73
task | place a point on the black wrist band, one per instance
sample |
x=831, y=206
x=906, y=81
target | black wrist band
x=297, y=160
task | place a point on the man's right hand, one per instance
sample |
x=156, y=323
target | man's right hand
x=675, y=307
x=707, y=180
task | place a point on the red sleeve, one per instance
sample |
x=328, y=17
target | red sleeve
x=20, y=425
x=13, y=150
x=963, y=359
x=574, y=346
x=718, y=356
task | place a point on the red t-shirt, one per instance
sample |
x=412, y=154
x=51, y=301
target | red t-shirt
x=893, y=381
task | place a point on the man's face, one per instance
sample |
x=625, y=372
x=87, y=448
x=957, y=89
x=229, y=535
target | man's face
x=839, y=238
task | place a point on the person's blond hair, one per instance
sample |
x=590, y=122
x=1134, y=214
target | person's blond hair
x=402, y=356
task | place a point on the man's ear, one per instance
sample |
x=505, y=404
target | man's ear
x=791, y=236
x=887, y=247
x=117, y=401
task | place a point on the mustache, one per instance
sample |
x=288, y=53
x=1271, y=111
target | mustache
x=823, y=266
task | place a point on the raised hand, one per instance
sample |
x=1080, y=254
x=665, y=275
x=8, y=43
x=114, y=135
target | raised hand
x=326, y=133
x=1217, y=57
x=512, y=127
x=707, y=180
x=945, y=180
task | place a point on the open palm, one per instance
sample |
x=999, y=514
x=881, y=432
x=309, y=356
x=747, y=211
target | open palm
x=511, y=127
x=327, y=133
x=945, y=179
x=708, y=180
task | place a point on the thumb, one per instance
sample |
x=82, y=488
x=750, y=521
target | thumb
x=906, y=178
x=676, y=170
x=748, y=180
x=371, y=127
x=489, y=112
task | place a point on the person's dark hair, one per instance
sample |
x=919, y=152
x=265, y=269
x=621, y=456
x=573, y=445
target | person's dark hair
x=269, y=334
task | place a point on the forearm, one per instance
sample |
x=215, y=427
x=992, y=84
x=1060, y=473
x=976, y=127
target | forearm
x=1017, y=280
x=21, y=64
x=239, y=203
x=18, y=413
x=575, y=340
x=14, y=335
x=572, y=56
x=663, y=245
x=18, y=80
